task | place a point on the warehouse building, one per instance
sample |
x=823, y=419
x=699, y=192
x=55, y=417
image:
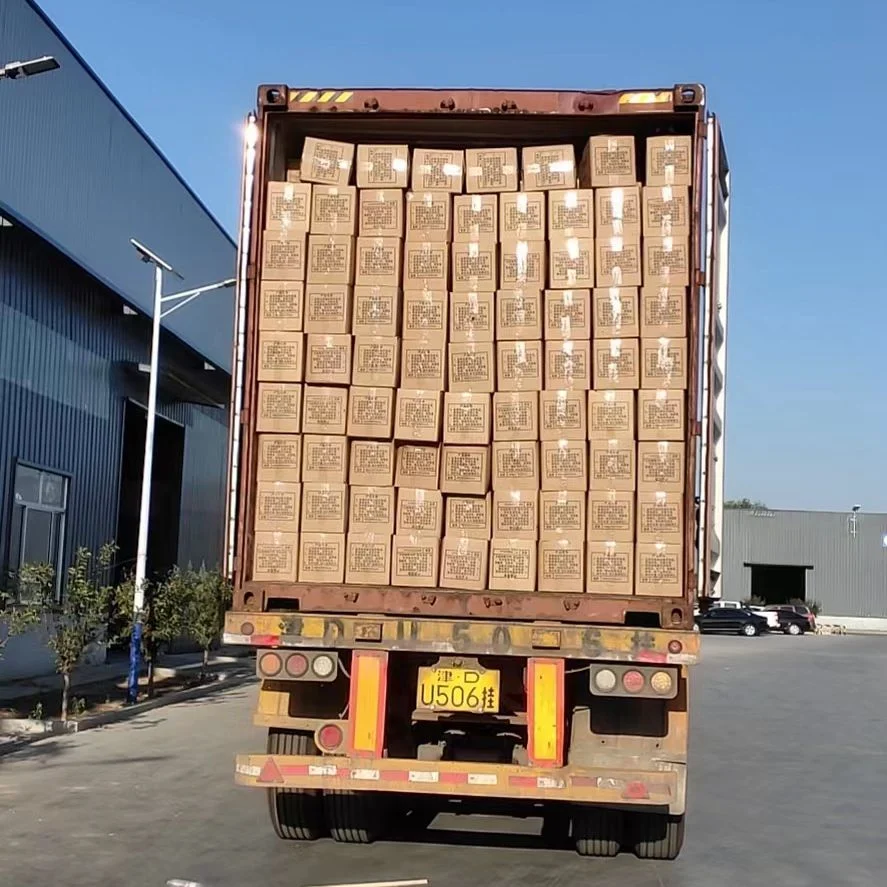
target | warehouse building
x=78, y=179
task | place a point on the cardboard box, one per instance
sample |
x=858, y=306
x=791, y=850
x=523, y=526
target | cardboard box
x=465, y=470
x=281, y=357
x=275, y=557
x=419, y=512
x=475, y=265
x=438, y=169
x=666, y=261
x=513, y=565
x=324, y=410
x=616, y=314
x=659, y=569
x=471, y=317
x=426, y=263
x=279, y=407
x=326, y=162
x=415, y=561
x=376, y=361
x=425, y=314
x=293, y=170
x=522, y=216
x=464, y=563
x=283, y=256
x=429, y=216
x=616, y=364
x=666, y=211
x=571, y=263
x=519, y=366
x=563, y=415
x=371, y=412
x=334, y=210
x=548, y=167
x=661, y=466
x=417, y=467
x=618, y=261
x=518, y=314
x=417, y=415
x=516, y=465
x=281, y=305
x=469, y=516
x=325, y=458
x=328, y=308
x=562, y=514
x=379, y=261
x=567, y=314
x=330, y=258
x=568, y=364
x=472, y=367
x=523, y=263
x=609, y=161
x=515, y=415
x=571, y=213
x=423, y=363
x=381, y=213
x=322, y=557
x=279, y=458
x=368, y=559
x=278, y=506
x=490, y=170
x=372, y=463
x=328, y=359
x=467, y=417
x=663, y=363
x=287, y=207
x=618, y=212
x=324, y=507
x=371, y=510
x=476, y=217
x=610, y=414
x=562, y=565
x=664, y=311
x=610, y=568
x=610, y=516
x=383, y=166
x=660, y=517
x=564, y=465
x=662, y=414
x=376, y=311
x=669, y=160
x=516, y=514
x=613, y=464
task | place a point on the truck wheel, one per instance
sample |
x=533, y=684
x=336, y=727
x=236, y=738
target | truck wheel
x=355, y=817
x=296, y=814
x=657, y=835
x=597, y=831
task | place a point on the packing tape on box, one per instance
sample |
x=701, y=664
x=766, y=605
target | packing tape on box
x=616, y=246
x=665, y=362
x=669, y=165
x=666, y=192
x=615, y=308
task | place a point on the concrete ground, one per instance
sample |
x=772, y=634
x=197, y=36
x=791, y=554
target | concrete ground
x=788, y=780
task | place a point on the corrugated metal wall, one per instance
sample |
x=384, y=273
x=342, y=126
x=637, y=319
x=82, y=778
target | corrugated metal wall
x=849, y=575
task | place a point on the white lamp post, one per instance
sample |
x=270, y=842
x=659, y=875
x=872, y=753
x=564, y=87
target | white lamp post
x=14, y=70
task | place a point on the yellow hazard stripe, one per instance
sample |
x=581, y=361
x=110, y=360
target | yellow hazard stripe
x=324, y=97
x=645, y=98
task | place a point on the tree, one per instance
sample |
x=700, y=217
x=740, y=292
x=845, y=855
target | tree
x=209, y=594
x=745, y=504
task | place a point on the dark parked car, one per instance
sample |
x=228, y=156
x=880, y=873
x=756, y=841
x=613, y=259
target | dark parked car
x=724, y=620
x=798, y=609
x=791, y=622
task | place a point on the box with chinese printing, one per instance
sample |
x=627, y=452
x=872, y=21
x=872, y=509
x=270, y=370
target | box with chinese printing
x=610, y=516
x=322, y=557
x=279, y=407
x=571, y=263
x=516, y=465
x=611, y=414
x=376, y=361
x=328, y=359
x=370, y=412
x=469, y=516
x=279, y=458
x=281, y=305
x=616, y=364
x=664, y=311
x=608, y=161
x=618, y=261
x=661, y=414
x=562, y=514
x=438, y=169
x=663, y=363
x=383, y=166
x=567, y=314
x=613, y=464
x=419, y=512
x=330, y=258
x=666, y=211
x=275, y=557
x=288, y=207
x=417, y=467
x=284, y=255
x=426, y=265
x=568, y=364
x=376, y=311
x=326, y=162
x=324, y=507
x=425, y=314
x=475, y=217
x=325, y=458
x=616, y=312
x=465, y=470
x=324, y=410
x=518, y=314
x=328, y=308
x=548, y=167
x=429, y=217
x=281, y=356
x=371, y=510
x=666, y=261
x=372, y=463
x=660, y=517
x=519, y=366
x=471, y=317
x=515, y=415
x=516, y=514
x=523, y=264
x=334, y=210
x=381, y=213
x=618, y=212
x=475, y=265
x=423, y=363
x=293, y=171
x=472, y=367
x=513, y=564
x=379, y=261
x=490, y=170
x=659, y=569
x=467, y=417
x=661, y=466
x=669, y=160
x=563, y=415
x=368, y=559
x=561, y=565
x=564, y=465
x=464, y=563
x=610, y=567
x=415, y=561
x=278, y=506
x=522, y=216
x=417, y=415
x=571, y=213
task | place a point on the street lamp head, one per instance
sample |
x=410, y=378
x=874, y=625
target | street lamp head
x=14, y=70
x=149, y=257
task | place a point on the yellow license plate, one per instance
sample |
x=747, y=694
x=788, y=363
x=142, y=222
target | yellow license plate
x=458, y=689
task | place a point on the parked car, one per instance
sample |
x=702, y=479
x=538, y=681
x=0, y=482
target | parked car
x=732, y=620
x=791, y=622
x=800, y=609
x=771, y=617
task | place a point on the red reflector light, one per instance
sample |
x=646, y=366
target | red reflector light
x=633, y=681
x=675, y=646
x=247, y=628
x=330, y=737
x=270, y=664
x=296, y=665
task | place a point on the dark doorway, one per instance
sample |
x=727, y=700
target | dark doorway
x=166, y=492
x=778, y=583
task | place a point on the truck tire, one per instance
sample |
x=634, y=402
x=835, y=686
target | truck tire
x=597, y=831
x=657, y=835
x=355, y=817
x=296, y=814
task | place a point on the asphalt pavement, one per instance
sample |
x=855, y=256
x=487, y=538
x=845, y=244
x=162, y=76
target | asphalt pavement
x=788, y=785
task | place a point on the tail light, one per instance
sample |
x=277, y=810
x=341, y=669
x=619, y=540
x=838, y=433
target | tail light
x=269, y=664
x=297, y=666
x=329, y=737
x=634, y=680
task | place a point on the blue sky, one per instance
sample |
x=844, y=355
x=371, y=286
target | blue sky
x=800, y=93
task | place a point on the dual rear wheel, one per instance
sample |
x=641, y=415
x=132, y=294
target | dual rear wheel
x=598, y=831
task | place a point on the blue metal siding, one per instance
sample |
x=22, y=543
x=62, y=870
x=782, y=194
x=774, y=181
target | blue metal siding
x=76, y=169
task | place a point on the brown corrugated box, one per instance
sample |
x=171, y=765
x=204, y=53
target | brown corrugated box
x=618, y=261
x=281, y=305
x=376, y=311
x=471, y=317
x=513, y=565
x=661, y=466
x=610, y=568
x=438, y=169
x=667, y=211
x=571, y=263
x=322, y=557
x=326, y=162
x=324, y=410
x=328, y=308
x=465, y=470
x=568, y=364
x=383, y=166
x=616, y=313
x=616, y=364
x=293, y=170
x=379, y=261
x=519, y=366
x=325, y=458
x=518, y=314
x=562, y=514
x=334, y=210
x=475, y=217
x=275, y=557
x=278, y=506
x=330, y=258
x=612, y=464
x=281, y=357
x=561, y=565
x=490, y=170
x=371, y=510
x=475, y=265
x=328, y=359
x=324, y=507
x=283, y=256
x=571, y=213
x=464, y=563
x=609, y=161
x=666, y=261
x=279, y=458
x=381, y=213
x=659, y=570
x=563, y=415
x=568, y=314
x=426, y=263
x=516, y=514
x=523, y=263
x=610, y=516
x=368, y=559
x=564, y=465
x=472, y=367
x=467, y=417
x=664, y=311
x=661, y=414
x=548, y=167
x=425, y=314
x=660, y=517
x=516, y=465
x=419, y=512
x=372, y=463
x=417, y=414
x=370, y=412
x=516, y=415
x=415, y=561
x=376, y=361
x=287, y=207
x=469, y=516
x=423, y=363
x=610, y=414
x=417, y=467
x=522, y=216
x=663, y=363
x=279, y=407
x=429, y=216
x=617, y=212
x=669, y=160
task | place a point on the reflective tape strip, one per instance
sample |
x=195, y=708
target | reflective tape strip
x=343, y=97
x=536, y=782
x=264, y=640
x=423, y=776
x=483, y=779
x=247, y=770
x=309, y=96
x=322, y=770
x=236, y=639
x=368, y=775
x=644, y=98
x=325, y=97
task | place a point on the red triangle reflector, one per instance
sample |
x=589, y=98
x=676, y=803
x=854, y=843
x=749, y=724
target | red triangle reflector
x=270, y=772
